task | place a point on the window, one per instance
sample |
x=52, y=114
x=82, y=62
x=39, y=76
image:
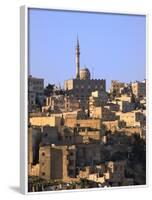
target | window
x=43, y=173
x=43, y=153
x=71, y=154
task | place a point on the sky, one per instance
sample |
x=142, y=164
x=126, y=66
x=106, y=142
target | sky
x=112, y=46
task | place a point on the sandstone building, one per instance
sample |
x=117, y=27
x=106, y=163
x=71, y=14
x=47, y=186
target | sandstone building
x=57, y=162
x=139, y=89
x=35, y=92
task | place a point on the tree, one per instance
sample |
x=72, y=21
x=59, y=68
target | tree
x=49, y=89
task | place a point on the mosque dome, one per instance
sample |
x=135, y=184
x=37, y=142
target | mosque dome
x=84, y=74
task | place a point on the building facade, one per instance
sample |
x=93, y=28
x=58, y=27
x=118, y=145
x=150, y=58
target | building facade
x=116, y=86
x=139, y=88
x=57, y=162
x=35, y=92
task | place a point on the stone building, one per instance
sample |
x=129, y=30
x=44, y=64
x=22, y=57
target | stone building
x=57, y=162
x=95, y=124
x=71, y=103
x=89, y=135
x=107, y=174
x=34, y=136
x=132, y=119
x=49, y=135
x=88, y=155
x=129, y=131
x=126, y=106
x=78, y=114
x=35, y=92
x=61, y=103
x=116, y=86
x=124, y=97
x=103, y=113
x=70, y=136
x=95, y=173
x=82, y=86
x=114, y=125
x=45, y=120
x=97, y=99
x=116, y=172
x=54, y=103
x=112, y=106
x=139, y=89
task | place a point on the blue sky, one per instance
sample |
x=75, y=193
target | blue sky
x=112, y=46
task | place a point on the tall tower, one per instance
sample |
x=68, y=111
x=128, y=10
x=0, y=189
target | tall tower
x=77, y=59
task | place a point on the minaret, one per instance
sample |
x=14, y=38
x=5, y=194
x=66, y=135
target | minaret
x=77, y=60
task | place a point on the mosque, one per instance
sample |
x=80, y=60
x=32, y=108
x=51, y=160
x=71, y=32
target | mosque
x=82, y=85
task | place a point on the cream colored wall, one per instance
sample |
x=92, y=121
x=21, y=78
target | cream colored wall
x=34, y=170
x=93, y=123
x=43, y=121
x=130, y=118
